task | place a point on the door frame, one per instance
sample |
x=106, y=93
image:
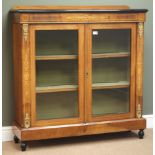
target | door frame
x=80, y=29
x=88, y=71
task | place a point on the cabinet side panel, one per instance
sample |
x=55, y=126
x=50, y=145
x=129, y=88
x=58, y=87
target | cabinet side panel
x=17, y=65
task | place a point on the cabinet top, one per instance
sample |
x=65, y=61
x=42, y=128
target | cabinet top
x=76, y=9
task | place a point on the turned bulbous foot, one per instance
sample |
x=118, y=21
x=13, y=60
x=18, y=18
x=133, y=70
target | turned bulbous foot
x=16, y=140
x=141, y=134
x=23, y=146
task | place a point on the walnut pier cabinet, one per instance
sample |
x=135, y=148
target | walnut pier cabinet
x=78, y=70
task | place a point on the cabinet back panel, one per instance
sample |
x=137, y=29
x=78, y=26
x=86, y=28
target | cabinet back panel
x=111, y=70
x=56, y=42
x=111, y=41
x=114, y=101
x=52, y=73
x=57, y=105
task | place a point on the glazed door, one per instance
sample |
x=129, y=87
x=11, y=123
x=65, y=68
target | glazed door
x=110, y=85
x=57, y=65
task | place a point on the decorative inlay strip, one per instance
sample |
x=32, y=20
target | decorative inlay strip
x=26, y=75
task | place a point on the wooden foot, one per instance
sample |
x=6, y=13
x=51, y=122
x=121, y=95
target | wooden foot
x=141, y=133
x=23, y=146
x=15, y=138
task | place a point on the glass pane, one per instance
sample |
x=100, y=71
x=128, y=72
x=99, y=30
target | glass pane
x=56, y=72
x=111, y=74
x=111, y=41
x=56, y=42
x=62, y=101
x=57, y=105
x=108, y=101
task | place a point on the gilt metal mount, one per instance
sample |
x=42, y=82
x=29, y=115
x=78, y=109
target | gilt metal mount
x=27, y=120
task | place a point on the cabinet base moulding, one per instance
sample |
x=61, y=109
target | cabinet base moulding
x=37, y=133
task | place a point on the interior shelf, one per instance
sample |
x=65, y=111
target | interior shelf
x=95, y=86
x=72, y=57
x=121, y=84
x=61, y=88
x=56, y=57
x=111, y=55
